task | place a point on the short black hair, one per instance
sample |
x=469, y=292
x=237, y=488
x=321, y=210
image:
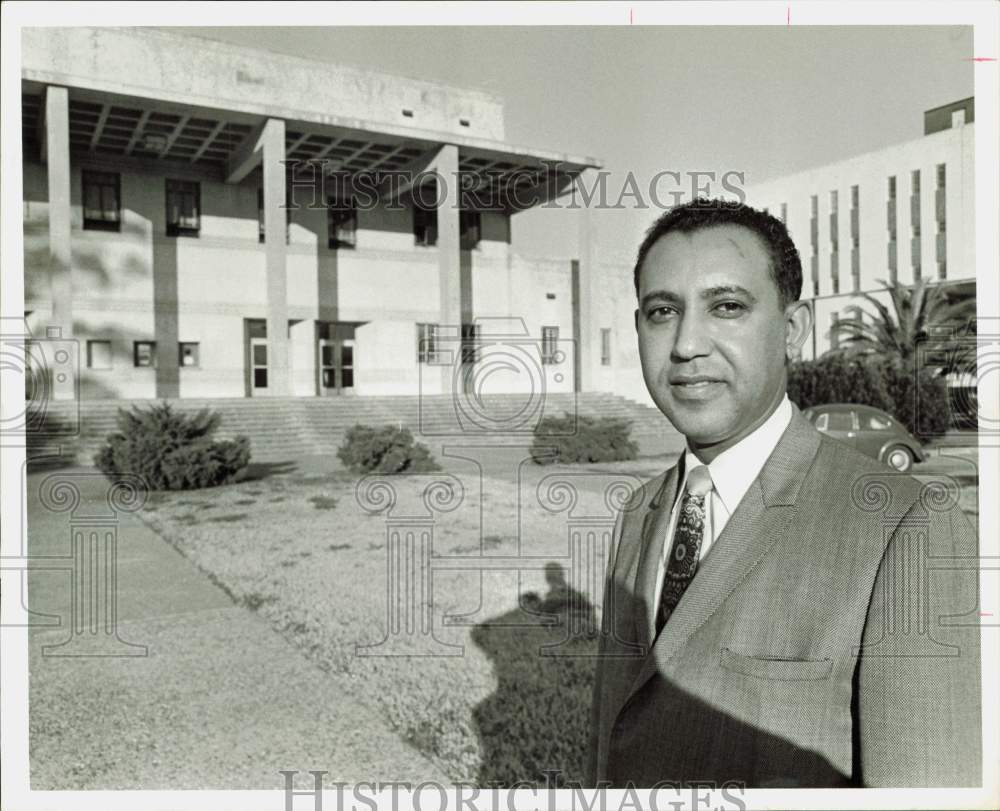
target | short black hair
x=701, y=213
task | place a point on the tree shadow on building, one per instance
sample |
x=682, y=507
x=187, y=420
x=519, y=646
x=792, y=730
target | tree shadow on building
x=537, y=720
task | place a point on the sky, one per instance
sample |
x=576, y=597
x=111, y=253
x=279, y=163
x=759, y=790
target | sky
x=765, y=101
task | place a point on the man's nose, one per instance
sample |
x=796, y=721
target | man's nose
x=691, y=339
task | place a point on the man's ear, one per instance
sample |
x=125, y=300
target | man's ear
x=636, y=319
x=798, y=325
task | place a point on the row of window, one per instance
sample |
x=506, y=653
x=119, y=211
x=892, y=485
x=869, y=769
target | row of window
x=432, y=347
x=143, y=354
x=891, y=225
x=429, y=349
x=102, y=203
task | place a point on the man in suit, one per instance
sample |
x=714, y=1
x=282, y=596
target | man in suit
x=769, y=617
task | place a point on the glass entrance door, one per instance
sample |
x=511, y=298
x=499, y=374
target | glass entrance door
x=336, y=366
x=258, y=363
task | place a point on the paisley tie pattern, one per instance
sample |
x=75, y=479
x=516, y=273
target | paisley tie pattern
x=686, y=547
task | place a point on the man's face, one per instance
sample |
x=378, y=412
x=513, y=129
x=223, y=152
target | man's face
x=711, y=334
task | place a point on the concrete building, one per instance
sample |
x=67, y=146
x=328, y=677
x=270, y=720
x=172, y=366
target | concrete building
x=157, y=169
x=903, y=213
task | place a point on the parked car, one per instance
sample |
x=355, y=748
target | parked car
x=870, y=430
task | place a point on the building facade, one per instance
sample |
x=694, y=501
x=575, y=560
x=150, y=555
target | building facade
x=204, y=220
x=902, y=213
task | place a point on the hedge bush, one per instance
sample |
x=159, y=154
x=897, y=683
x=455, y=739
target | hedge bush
x=387, y=450
x=919, y=400
x=171, y=450
x=582, y=439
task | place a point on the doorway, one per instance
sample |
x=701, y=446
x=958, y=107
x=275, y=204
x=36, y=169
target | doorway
x=257, y=356
x=335, y=358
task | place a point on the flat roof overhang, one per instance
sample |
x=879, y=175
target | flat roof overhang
x=163, y=134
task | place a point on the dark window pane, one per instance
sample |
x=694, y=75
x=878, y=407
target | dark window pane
x=328, y=381
x=260, y=355
x=182, y=207
x=101, y=207
x=327, y=355
x=260, y=378
x=840, y=421
x=347, y=378
x=347, y=355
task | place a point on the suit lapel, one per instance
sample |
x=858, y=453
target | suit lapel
x=654, y=529
x=760, y=519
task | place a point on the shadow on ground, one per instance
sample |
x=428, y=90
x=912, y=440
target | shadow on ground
x=537, y=720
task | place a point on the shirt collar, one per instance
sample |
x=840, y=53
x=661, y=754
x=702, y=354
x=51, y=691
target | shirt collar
x=734, y=470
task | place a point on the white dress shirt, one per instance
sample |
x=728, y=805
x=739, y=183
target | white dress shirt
x=732, y=472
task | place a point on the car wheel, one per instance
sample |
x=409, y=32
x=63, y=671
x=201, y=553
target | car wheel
x=898, y=457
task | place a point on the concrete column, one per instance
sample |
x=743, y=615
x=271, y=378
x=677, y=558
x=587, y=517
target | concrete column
x=449, y=249
x=588, y=327
x=56, y=156
x=272, y=141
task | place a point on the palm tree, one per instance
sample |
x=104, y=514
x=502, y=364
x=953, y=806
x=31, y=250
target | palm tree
x=922, y=319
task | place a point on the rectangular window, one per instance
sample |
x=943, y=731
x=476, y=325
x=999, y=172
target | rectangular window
x=260, y=218
x=98, y=354
x=470, y=229
x=427, y=343
x=940, y=215
x=814, y=223
x=470, y=345
x=550, y=344
x=183, y=208
x=144, y=353
x=188, y=354
x=834, y=227
x=425, y=225
x=342, y=223
x=605, y=347
x=101, y=201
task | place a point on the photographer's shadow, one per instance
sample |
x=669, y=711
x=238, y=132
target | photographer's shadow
x=537, y=720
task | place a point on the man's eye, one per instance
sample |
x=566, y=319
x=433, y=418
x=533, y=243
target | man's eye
x=727, y=308
x=660, y=313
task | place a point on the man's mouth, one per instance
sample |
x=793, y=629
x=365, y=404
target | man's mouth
x=694, y=387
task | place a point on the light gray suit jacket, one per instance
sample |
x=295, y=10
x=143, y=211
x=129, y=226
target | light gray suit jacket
x=829, y=638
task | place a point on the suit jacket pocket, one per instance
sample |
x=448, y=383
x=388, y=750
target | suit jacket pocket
x=778, y=669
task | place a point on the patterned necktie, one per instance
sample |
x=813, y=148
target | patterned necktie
x=686, y=548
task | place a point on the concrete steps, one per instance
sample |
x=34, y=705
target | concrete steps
x=282, y=429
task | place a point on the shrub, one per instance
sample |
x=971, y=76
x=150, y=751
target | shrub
x=386, y=450
x=583, y=439
x=171, y=450
x=918, y=400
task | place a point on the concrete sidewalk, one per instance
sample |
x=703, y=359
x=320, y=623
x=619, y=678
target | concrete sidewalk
x=219, y=700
